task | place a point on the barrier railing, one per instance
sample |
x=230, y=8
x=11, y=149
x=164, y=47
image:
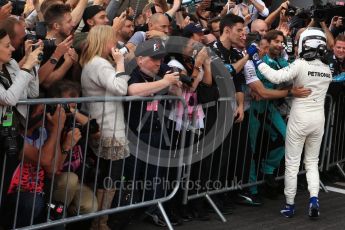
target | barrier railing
x=219, y=156
x=335, y=145
x=71, y=168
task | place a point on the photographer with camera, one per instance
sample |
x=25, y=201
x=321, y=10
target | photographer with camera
x=151, y=77
x=60, y=61
x=16, y=31
x=16, y=82
x=71, y=163
x=27, y=179
x=193, y=63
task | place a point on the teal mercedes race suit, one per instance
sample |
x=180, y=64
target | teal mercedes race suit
x=264, y=112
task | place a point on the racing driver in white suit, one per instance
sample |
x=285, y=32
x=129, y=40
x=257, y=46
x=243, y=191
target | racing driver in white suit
x=306, y=123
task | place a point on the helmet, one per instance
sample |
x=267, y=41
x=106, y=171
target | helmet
x=312, y=44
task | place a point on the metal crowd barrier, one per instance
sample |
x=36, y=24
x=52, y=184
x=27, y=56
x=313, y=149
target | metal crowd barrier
x=230, y=166
x=144, y=176
x=335, y=151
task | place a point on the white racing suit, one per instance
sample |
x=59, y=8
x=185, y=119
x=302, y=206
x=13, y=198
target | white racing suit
x=306, y=123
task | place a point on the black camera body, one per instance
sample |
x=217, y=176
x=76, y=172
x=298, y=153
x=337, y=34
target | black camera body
x=327, y=12
x=47, y=43
x=56, y=210
x=291, y=11
x=52, y=108
x=71, y=124
x=318, y=15
x=17, y=6
x=8, y=140
x=186, y=80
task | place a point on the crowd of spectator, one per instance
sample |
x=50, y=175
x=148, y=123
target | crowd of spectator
x=81, y=48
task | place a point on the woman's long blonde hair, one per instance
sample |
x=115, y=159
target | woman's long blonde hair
x=96, y=42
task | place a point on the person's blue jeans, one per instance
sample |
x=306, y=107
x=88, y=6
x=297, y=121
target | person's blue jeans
x=25, y=209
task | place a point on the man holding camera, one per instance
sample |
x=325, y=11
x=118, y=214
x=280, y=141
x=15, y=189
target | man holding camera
x=150, y=78
x=71, y=163
x=16, y=31
x=59, y=59
x=39, y=152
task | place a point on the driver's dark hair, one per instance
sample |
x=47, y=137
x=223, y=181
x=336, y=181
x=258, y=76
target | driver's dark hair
x=229, y=20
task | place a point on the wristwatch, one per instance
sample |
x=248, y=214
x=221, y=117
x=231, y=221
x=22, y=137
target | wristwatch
x=53, y=61
x=289, y=93
x=198, y=68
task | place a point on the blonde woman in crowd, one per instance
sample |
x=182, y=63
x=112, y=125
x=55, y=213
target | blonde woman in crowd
x=100, y=78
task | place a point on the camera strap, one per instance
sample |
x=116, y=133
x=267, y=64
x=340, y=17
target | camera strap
x=5, y=78
x=11, y=111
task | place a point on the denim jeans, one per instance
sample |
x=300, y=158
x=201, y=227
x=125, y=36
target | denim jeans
x=24, y=210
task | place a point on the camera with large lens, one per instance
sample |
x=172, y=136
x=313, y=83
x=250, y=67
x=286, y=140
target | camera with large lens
x=90, y=128
x=290, y=11
x=52, y=108
x=8, y=140
x=71, y=123
x=186, y=80
x=17, y=6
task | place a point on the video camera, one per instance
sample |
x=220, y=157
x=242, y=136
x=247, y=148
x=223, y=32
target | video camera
x=326, y=12
x=56, y=210
x=17, y=6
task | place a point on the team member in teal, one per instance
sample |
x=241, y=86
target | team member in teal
x=274, y=123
